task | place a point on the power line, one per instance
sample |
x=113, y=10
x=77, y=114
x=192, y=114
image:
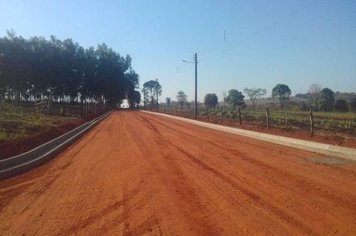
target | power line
x=263, y=29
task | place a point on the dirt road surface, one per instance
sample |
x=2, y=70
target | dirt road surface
x=137, y=173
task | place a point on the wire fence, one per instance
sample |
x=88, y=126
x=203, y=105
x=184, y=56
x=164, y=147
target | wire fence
x=62, y=109
x=308, y=121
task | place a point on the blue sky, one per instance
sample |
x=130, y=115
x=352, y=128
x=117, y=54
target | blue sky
x=296, y=42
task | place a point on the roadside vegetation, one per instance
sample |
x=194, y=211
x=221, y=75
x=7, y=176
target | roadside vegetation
x=47, y=84
x=320, y=111
x=16, y=123
x=62, y=71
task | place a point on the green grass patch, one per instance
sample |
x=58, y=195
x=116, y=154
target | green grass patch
x=15, y=123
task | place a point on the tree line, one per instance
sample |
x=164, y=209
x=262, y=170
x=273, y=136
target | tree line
x=317, y=98
x=63, y=71
x=324, y=99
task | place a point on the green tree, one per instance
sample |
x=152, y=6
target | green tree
x=151, y=90
x=211, y=100
x=134, y=98
x=341, y=105
x=235, y=98
x=327, y=99
x=353, y=104
x=181, y=98
x=281, y=91
x=40, y=68
x=168, y=101
x=254, y=94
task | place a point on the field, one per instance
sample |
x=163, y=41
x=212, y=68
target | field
x=137, y=173
x=22, y=130
x=334, y=128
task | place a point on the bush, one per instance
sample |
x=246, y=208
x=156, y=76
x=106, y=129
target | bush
x=353, y=104
x=341, y=106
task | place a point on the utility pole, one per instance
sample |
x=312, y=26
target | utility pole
x=157, y=92
x=196, y=86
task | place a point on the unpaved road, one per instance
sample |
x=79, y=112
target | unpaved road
x=137, y=173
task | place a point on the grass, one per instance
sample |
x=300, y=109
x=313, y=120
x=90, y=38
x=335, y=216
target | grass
x=344, y=122
x=15, y=123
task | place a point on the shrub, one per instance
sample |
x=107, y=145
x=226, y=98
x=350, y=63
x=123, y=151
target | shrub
x=341, y=106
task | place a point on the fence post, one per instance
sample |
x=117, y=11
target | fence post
x=50, y=104
x=311, y=118
x=286, y=119
x=222, y=115
x=207, y=112
x=267, y=117
x=176, y=110
x=240, y=120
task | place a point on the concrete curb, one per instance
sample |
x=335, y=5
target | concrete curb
x=26, y=161
x=343, y=152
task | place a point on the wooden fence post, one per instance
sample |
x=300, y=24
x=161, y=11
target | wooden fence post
x=207, y=112
x=286, y=119
x=267, y=118
x=222, y=115
x=240, y=120
x=311, y=118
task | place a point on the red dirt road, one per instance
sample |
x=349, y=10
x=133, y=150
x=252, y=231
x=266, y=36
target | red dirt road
x=137, y=173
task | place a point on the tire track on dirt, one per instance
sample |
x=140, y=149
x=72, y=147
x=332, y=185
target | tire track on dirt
x=316, y=187
x=184, y=194
x=264, y=204
x=138, y=174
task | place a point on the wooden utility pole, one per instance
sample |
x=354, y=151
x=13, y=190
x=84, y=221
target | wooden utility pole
x=196, y=86
x=157, y=92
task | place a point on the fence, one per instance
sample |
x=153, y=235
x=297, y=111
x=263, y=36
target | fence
x=63, y=109
x=308, y=121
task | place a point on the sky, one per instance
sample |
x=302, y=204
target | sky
x=255, y=44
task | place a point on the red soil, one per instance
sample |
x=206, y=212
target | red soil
x=141, y=174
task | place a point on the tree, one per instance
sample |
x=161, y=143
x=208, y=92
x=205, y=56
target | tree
x=181, y=98
x=151, y=90
x=353, y=104
x=38, y=68
x=281, y=91
x=327, y=99
x=168, y=101
x=235, y=98
x=211, y=100
x=341, y=105
x=223, y=93
x=134, y=97
x=314, y=91
x=254, y=94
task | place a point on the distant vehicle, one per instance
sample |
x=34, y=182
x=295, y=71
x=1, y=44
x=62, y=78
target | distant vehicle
x=125, y=104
